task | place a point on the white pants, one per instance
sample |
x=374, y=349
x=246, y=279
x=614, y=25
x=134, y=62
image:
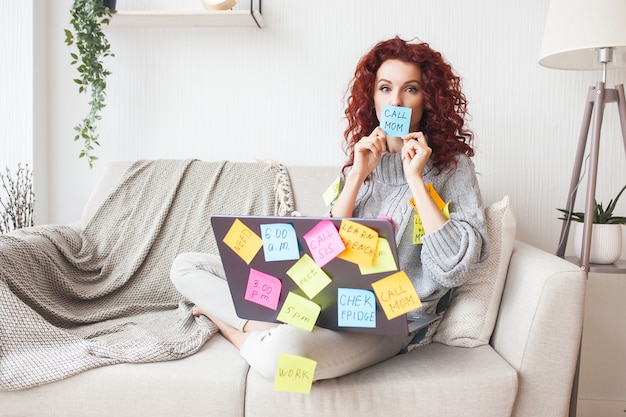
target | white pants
x=200, y=278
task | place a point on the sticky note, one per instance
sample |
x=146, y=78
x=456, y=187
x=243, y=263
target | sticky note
x=280, y=242
x=308, y=276
x=360, y=242
x=294, y=373
x=383, y=259
x=299, y=311
x=241, y=239
x=396, y=120
x=332, y=192
x=263, y=289
x=418, y=230
x=418, y=227
x=356, y=308
x=324, y=242
x=436, y=198
x=396, y=294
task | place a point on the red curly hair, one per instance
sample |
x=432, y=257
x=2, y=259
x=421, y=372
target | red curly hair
x=445, y=105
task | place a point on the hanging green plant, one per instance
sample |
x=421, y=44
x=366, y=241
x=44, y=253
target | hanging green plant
x=88, y=16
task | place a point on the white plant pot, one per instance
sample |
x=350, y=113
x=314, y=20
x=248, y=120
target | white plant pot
x=606, y=243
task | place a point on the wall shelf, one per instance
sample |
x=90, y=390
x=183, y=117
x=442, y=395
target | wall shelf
x=222, y=18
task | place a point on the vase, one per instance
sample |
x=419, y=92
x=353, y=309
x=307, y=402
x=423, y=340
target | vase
x=606, y=243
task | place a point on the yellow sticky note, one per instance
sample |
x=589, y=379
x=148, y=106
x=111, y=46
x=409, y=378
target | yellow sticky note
x=299, y=311
x=383, y=259
x=294, y=373
x=446, y=211
x=418, y=230
x=418, y=227
x=308, y=276
x=332, y=192
x=361, y=242
x=396, y=294
x=241, y=239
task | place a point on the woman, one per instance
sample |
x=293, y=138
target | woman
x=381, y=176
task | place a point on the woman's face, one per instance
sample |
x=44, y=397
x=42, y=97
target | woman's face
x=399, y=83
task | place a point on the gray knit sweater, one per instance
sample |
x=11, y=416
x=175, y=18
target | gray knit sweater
x=447, y=255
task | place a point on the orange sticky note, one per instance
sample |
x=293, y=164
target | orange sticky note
x=361, y=242
x=241, y=239
x=294, y=374
x=434, y=195
x=396, y=294
x=383, y=259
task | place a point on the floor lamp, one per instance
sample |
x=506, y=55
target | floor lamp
x=587, y=35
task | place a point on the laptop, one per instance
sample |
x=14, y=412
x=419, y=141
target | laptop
x=335, y=273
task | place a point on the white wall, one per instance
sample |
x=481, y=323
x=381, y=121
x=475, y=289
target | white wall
x=278, y=92
x=16, y=86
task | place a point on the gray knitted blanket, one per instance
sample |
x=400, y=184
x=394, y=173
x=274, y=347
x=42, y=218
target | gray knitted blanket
x=75, y=300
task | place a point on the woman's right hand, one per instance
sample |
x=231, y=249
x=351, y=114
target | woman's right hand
x=367, y=152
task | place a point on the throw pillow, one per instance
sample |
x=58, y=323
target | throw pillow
x=471, y=315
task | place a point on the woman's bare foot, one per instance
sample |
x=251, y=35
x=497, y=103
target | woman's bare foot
x=197, y=311
x=232, y=334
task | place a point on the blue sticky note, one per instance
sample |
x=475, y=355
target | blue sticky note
x=396, y=120
x=356, y=308
x=279, y=242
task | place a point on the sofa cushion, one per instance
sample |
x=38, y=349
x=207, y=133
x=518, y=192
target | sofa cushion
x=471, y=315
x=435, y=380
x=209, y=383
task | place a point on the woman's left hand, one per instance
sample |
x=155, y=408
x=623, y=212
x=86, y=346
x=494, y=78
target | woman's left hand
x=415, y=154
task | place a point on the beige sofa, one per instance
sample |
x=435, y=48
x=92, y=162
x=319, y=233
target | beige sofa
x=526, y=369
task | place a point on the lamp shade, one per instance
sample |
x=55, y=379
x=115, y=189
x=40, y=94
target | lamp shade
x=575, y=29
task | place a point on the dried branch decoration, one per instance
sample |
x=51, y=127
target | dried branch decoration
x=18, y=204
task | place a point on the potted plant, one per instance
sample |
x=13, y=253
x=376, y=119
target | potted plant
x=606, y=237
x=88, y=16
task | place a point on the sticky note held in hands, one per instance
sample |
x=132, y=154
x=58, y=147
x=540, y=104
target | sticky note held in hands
x=396, y=120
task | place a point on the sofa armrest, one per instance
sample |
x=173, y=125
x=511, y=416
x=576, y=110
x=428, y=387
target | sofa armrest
x=111, y=174
x=539, y=328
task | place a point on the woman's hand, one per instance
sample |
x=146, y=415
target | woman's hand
x=415, y=154
x=367, y=152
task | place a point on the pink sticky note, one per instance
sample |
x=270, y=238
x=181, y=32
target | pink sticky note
x=324, y=242
x=263, y=289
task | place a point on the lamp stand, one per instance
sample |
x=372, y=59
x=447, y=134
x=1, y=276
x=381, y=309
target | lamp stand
x=597, y=97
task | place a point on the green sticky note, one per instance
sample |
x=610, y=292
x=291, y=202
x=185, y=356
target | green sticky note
x=332, y=192
x=308, y=276
x=383, y=259
x=294, y=374
x=299, y=311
